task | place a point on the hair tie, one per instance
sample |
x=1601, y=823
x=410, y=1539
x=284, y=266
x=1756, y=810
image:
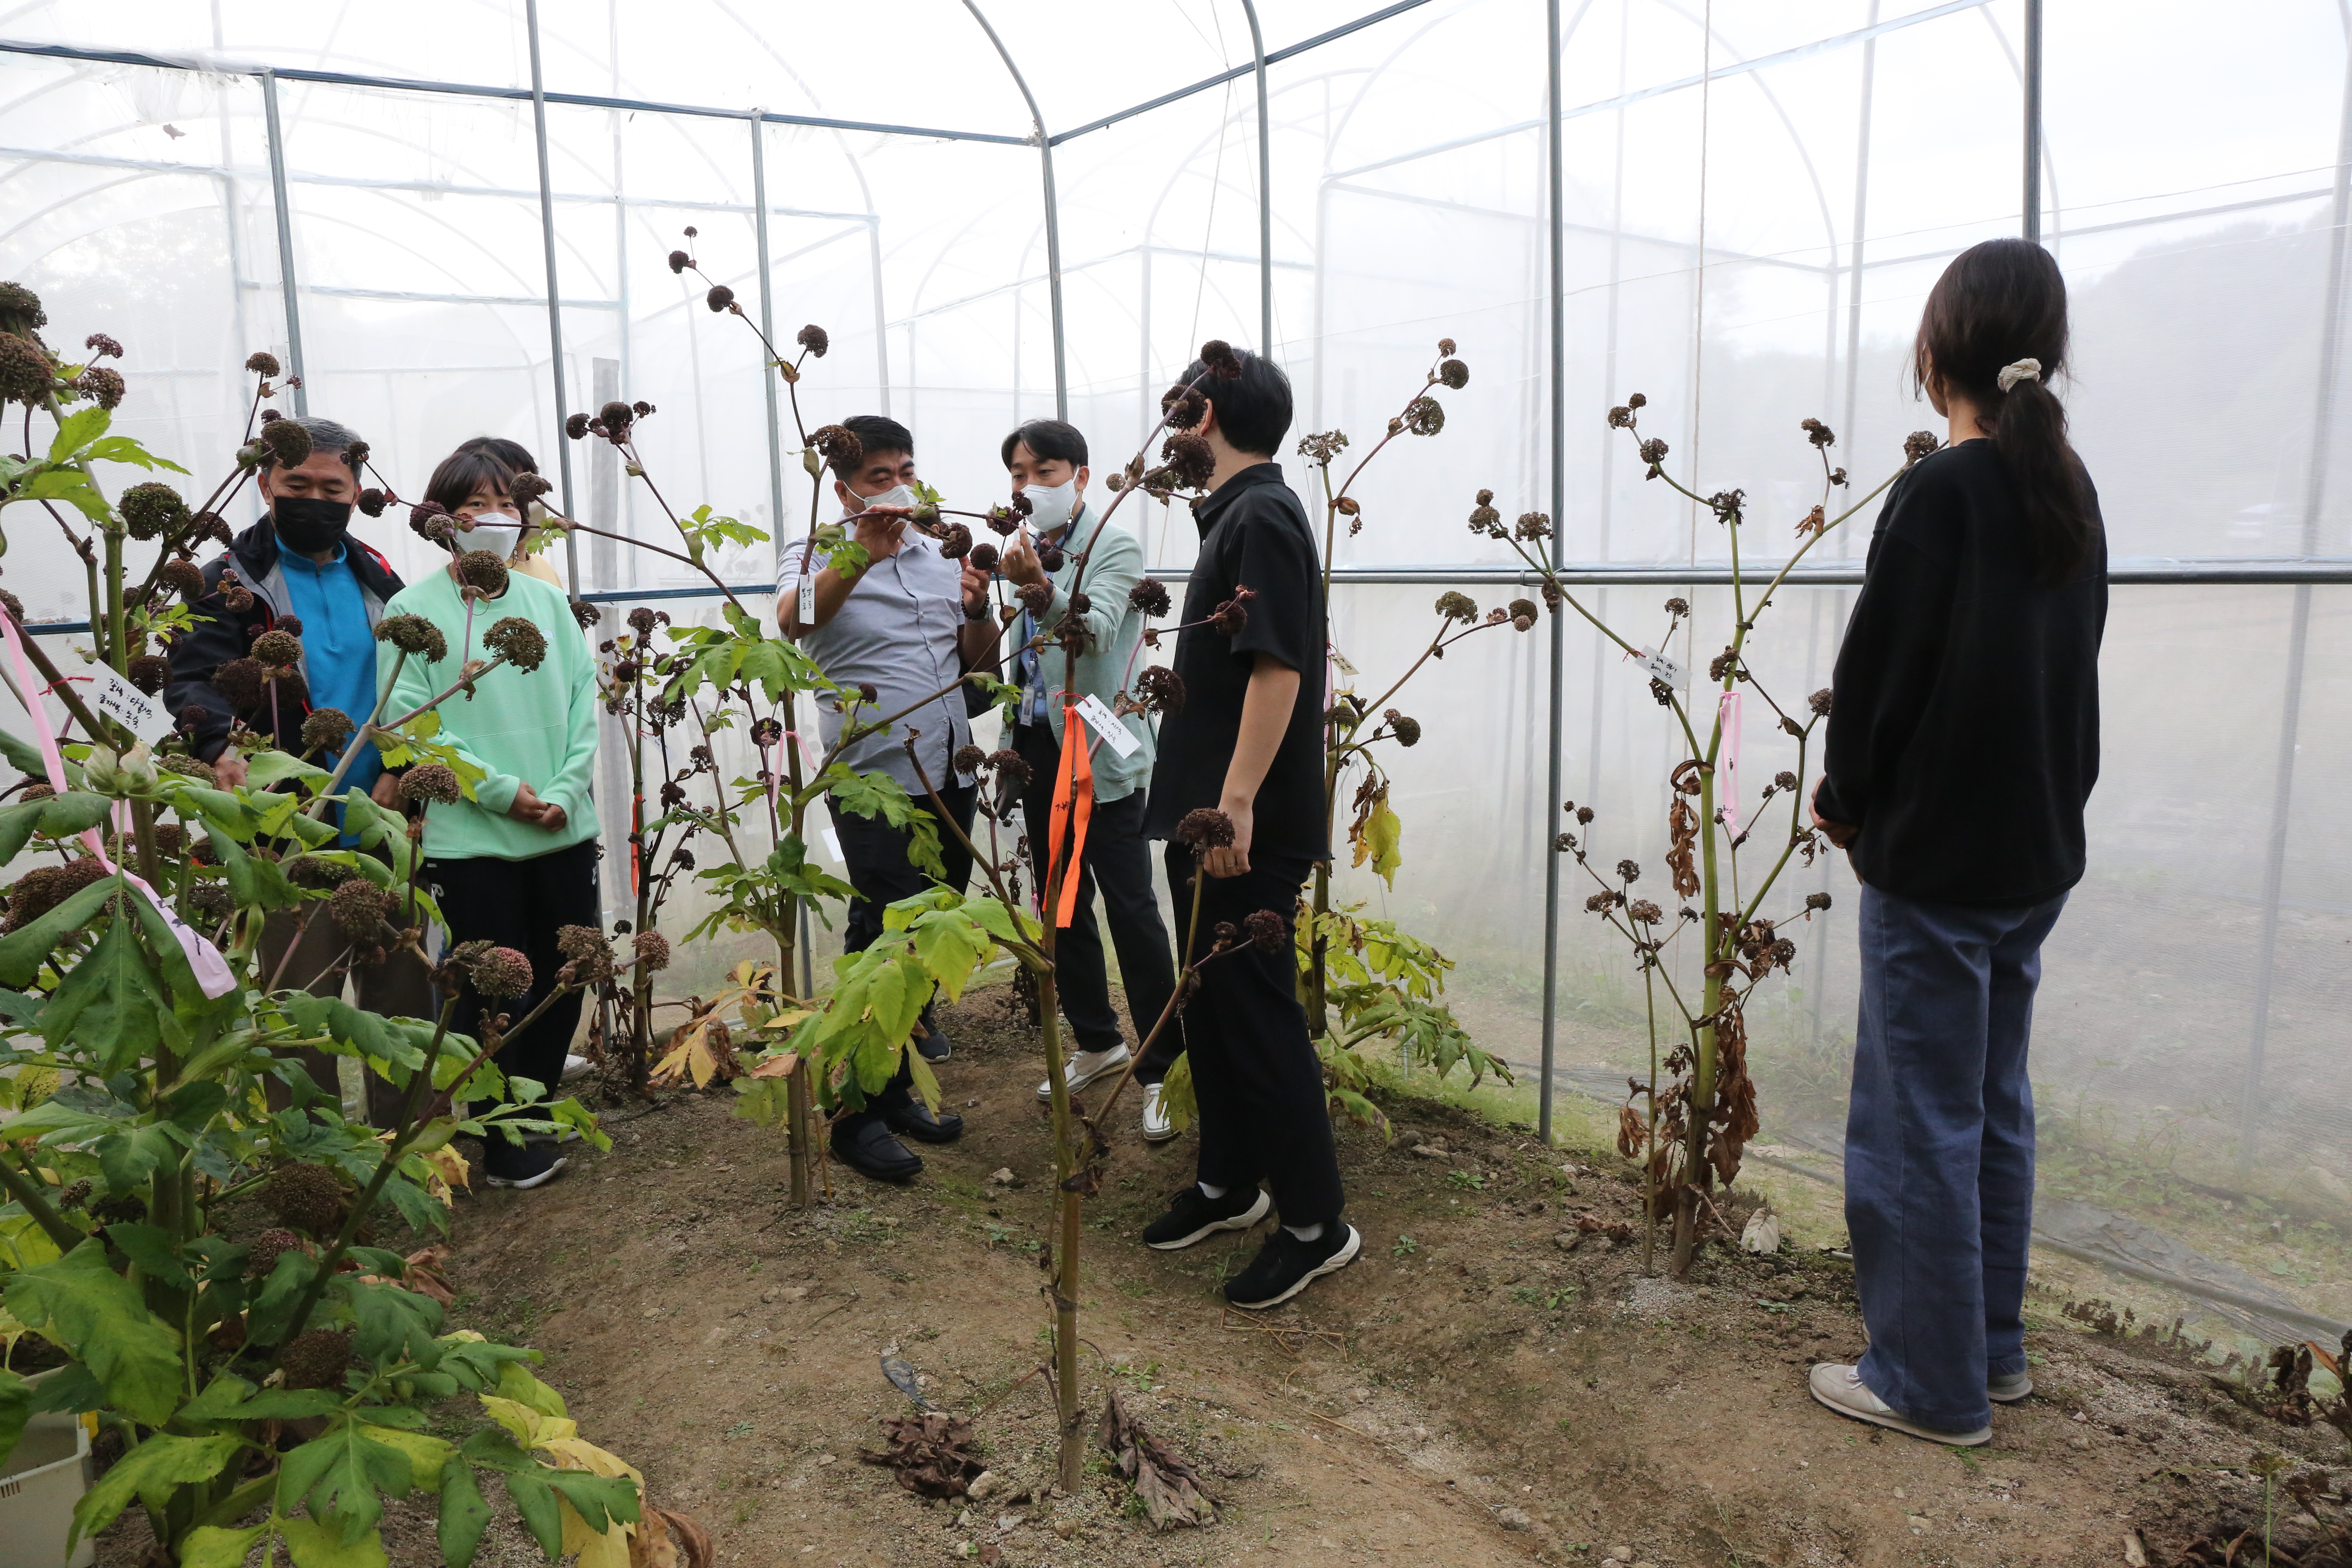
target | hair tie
x=2023, y=369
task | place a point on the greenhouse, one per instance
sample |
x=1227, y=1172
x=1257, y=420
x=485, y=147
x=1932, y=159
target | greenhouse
x=1644, y=275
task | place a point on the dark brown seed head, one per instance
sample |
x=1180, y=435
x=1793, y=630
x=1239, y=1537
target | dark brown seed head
x=326, y=729
x=101, y=346
x=414, y=635
x=719, y=297
x=482, y=569
x=522, y=643
x=651, y=949
x=679, y=261
x=152, y=508
x=1189, y=458
x=183, y=578
x=431, y=784
x=1453, y=374
x=1009, y=764
x=240, y=681
x=984, y=556
x=575, y=425
x=305, y=1197
x=24, y=371
x=277, y=648
x=318, y=1359
x=1268, y=931
x=1205, y=828
x=289, y=443
x=1161, y=689
x=263, y=363
x=815, y=339
x=1219, y=356
x=101, y=385
x=148, y=671
x=1820, y=702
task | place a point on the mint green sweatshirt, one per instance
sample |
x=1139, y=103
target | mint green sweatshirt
x=535, y=726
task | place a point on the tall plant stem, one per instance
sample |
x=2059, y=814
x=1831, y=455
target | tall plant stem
x=1702, y=1099
x=1068, y=1204
x=1650, y=1145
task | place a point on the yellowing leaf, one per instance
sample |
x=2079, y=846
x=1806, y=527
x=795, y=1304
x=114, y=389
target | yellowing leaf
x=1377, y=832
x=781, y=1065
x=531, y=1428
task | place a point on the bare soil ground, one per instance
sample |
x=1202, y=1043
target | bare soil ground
x=1470, y=1392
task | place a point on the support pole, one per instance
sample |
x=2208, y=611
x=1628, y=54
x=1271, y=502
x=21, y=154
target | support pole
x=768, y=326
x=2032, y=121
x=554, y=301
x=1557, y=290
x=284, y=242
x=2315, y=496
x=1053, y=213
x=1265, y=191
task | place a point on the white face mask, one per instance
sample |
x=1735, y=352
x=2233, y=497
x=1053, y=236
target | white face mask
x=896, y=495
x=1052, y=506
x=496, y=531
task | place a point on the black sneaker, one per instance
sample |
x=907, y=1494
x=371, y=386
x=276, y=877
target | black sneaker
x=933, y=1043
x=1284, y=1266
x=915, y=1120
x=1194, y=1215
x=867, y=1147
x=531, y=1166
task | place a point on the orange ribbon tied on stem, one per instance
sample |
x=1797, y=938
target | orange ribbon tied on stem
x=1074, y=806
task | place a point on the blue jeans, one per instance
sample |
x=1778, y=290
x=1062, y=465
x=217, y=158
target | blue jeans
x=1939, y=1150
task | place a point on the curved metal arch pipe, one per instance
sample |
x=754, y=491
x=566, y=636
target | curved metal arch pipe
x=1053, y=212
x=1264, y=191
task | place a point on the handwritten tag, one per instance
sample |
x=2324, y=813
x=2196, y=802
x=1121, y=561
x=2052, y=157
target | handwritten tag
x=1105, y=723
x=1660, y=665
x=124, y=703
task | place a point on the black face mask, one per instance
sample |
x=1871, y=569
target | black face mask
x=307, y=524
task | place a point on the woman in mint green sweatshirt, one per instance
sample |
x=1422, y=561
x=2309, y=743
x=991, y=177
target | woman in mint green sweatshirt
x=518, y=862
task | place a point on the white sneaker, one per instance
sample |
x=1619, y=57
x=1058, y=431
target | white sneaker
x=575, y=1067
x=1086, y=1067
x=1841, y=1389
x=1157, y=1127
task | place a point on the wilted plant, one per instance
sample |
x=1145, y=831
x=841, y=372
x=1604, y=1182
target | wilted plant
x=1691, y=1131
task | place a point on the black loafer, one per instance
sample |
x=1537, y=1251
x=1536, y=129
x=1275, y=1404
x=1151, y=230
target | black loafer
x=869, y=1149
x=914, y=1120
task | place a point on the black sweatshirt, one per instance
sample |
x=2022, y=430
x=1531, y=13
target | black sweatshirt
x=1964, y=738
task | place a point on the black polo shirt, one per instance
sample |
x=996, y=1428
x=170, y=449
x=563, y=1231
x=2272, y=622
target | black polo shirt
x=1254, y=533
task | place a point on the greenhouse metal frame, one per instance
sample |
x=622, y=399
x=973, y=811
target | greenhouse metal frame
x=2302, y=572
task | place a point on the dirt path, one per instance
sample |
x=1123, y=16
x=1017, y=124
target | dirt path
x=1469, y=1393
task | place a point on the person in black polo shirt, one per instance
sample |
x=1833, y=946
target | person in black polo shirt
x=1248, y=743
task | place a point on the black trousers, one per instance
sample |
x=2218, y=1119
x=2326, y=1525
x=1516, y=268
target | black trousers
x=880, y=871
x=1117, y=862
x=1255, y=1072
x=521, y=904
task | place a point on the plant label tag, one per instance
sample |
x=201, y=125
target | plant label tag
x=1105, y=723
x=1660, y=665
x=127, y=706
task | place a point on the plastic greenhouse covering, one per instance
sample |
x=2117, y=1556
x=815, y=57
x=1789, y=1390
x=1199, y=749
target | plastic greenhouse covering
x=451, y=216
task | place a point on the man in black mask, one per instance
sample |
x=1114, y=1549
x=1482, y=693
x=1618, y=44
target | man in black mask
x=298, y=571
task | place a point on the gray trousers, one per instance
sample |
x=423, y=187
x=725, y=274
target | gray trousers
x=401, y=987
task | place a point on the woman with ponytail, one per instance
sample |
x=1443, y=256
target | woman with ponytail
x=1963, y=744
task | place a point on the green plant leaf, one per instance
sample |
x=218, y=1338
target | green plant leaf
x=464, y=1515
x=150, y=1246
x=16, y=1409
x=266, y=768
x=313, y=1545
x=515, y=1382
x=210, y=1546
x=111, y=1005
x=342, y=1473
x=537, y=1503
x=77, y=430
x=602, y=1501
x=149, y=1473
x=75, y=811
x=98, y=1316
x=24, y=950
x=950, y=944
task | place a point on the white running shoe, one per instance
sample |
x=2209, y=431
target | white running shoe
x=1086, y=1067
x=1157, y=1127
x=575, y=1067
x=1841, y=1389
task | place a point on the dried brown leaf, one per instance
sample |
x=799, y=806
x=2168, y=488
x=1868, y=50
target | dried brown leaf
x=1172, y=1491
